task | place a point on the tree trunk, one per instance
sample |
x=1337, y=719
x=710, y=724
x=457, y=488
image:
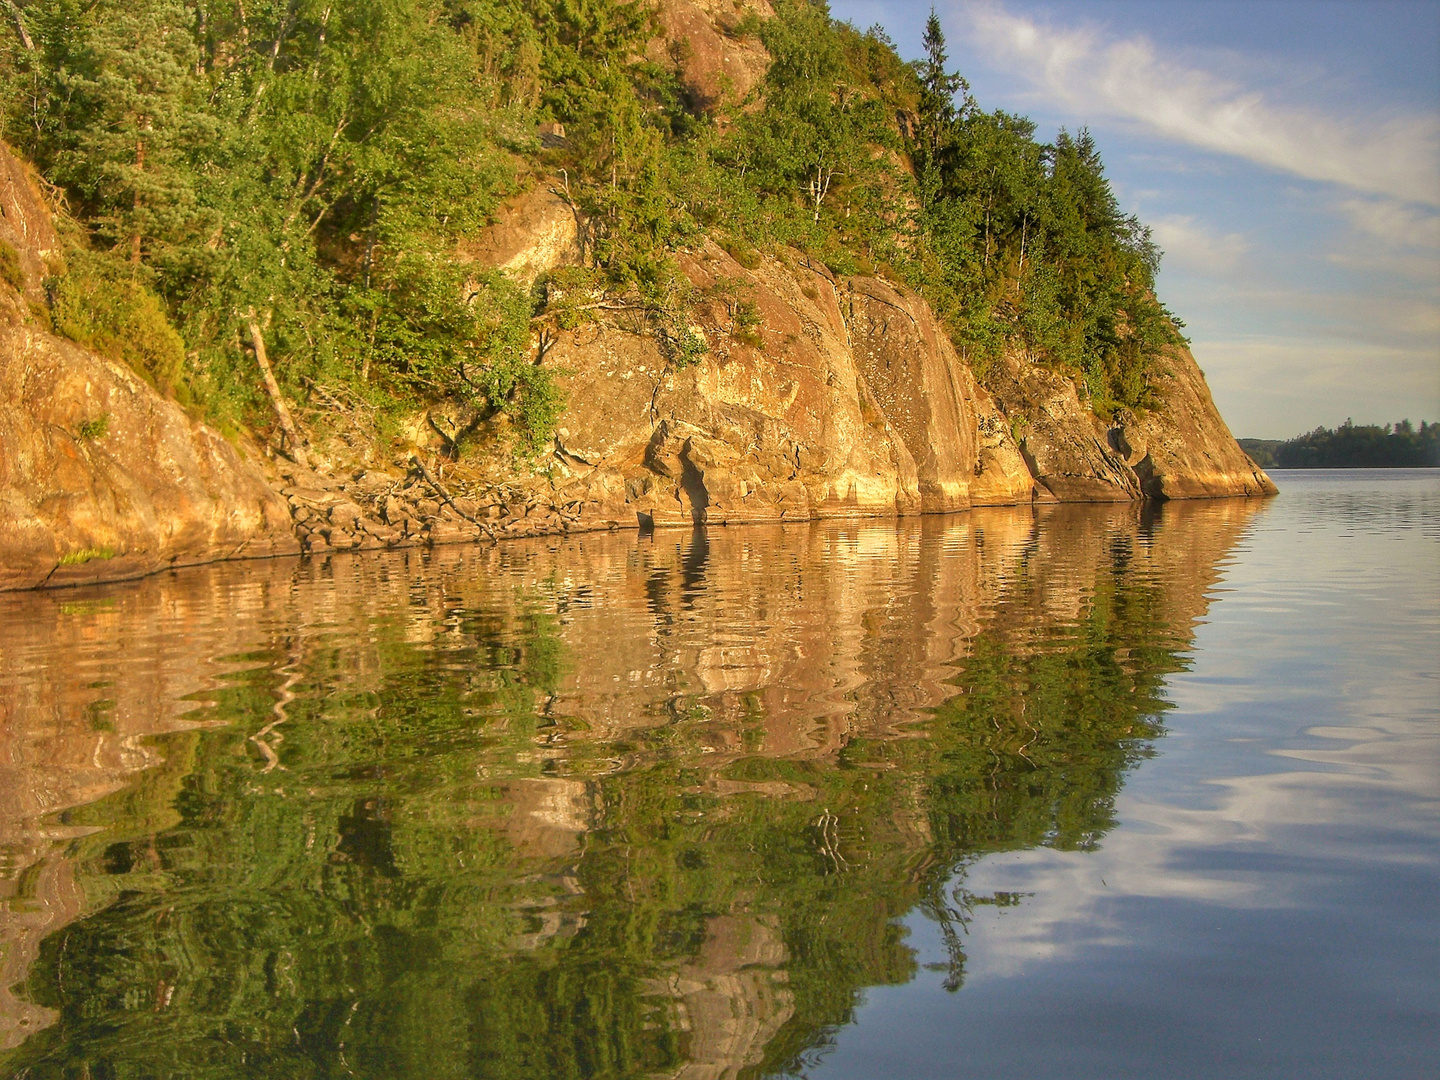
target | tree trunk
x=1024, y=229
x=272, y=388
x=986, y=263
x=20, y=25
x=139, y=167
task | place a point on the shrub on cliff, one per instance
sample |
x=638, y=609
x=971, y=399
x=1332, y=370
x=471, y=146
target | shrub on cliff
x=111, y=310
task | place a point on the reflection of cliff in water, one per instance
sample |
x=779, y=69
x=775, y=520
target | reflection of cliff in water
x=606, y=806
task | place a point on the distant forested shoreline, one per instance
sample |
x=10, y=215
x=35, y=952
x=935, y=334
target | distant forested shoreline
x=1352, y=446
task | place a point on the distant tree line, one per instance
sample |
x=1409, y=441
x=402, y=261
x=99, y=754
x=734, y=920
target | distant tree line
x=1352, y=446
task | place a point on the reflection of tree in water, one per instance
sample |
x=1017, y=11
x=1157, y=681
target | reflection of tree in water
x=449, y=873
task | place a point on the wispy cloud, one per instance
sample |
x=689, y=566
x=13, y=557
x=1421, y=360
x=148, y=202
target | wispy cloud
x=1405, y=316
x=1189, y=244
x=1277, y=387
x=1322, y=363
x=1130, y=79
x=1394, y=222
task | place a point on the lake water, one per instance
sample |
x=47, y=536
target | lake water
x=1075, y=792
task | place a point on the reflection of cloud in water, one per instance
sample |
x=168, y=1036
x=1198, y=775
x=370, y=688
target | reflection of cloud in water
x=1305, y=742
x=1153, y=855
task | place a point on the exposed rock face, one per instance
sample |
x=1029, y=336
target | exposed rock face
x=100, y=477
x=26, y=227
x=534, y=232
x=844, y=399
x=1063, y=442
x=911, y=379
x=1184, y=449
x=847, y=398
x=964, y=451
x=1180, y=450
x=717, y=65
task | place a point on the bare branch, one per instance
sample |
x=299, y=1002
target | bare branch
x=440, y=490
x=277, y=402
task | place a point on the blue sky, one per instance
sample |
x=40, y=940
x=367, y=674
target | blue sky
x=1287, y=155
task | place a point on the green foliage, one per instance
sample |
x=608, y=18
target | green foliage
x=11, y=272
x=818, y=167
x=309, y=165
x=1261, y=451
x=684, y=345
x=816, y=134
x=313, y=166
x=107, y=306
x=1027, y=244
x=97, y=427
x=741, y=252
x=743, y=314
x=1014, y=242
x=124, y=112
x=84, y=555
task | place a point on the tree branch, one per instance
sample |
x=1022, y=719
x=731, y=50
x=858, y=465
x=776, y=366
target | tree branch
x=440, y=490
x=277, y=402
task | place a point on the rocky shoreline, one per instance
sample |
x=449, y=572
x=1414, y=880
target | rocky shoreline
x=374, y=510
x=844, y=398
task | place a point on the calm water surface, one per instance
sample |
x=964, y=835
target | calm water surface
x=1080, y=792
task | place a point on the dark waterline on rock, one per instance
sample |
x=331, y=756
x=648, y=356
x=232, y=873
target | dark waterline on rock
x=1071, y=791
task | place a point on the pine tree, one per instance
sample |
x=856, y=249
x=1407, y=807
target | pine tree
x=129, y=95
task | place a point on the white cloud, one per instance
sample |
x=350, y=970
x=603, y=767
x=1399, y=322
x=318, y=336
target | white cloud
x=1377, y=754
x=1255, y=365
x=1394, y=222
x=1189, y=244
x=1128, y=79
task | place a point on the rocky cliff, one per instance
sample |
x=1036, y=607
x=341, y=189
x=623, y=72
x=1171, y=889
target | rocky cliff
x=848, y=399
x=832, y=396
x=102, y=478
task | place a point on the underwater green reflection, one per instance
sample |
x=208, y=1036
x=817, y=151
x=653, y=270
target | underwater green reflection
x=347, y=892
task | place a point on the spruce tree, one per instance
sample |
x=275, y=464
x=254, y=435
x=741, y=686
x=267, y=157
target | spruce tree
x=938, y=88
x=130, y=97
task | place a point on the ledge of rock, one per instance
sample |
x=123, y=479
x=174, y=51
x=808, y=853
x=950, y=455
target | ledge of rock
x=101, y=478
